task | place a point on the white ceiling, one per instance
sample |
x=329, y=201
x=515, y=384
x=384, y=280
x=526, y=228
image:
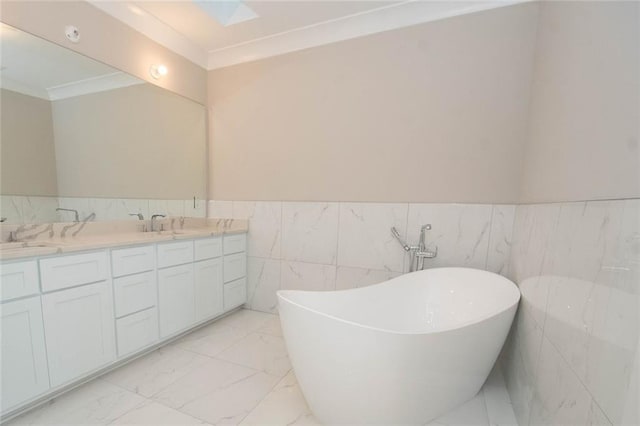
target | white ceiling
x=273, y=17
x=281, y=26
x=39, y=68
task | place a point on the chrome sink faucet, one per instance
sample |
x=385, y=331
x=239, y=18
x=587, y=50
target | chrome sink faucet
x=418, y=253
x=153, y=221
x=74, y=211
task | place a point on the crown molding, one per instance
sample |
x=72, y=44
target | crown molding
x=348, y=27
x=398, y=15
x=153, y=28
x=101, y=83
x=15, y=86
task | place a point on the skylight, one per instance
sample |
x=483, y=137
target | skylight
x=227, y=12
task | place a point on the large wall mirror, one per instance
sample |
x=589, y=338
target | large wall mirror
x=77, y=134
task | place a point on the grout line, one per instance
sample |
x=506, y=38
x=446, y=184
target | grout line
x=475, y=203
x=544, y=321
x=484, y=401
x=146, y=401
x=577, y=376
x=406, y=267
x=266, y=395
x=337, y=245
x=491, y=235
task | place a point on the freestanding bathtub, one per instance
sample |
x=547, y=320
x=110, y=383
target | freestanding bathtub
x=401, y=352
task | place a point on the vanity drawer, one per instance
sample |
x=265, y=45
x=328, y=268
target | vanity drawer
x=178, y=253
x=235, y=243
x=68, y=271
x=137, y=331
x=132, y=260
x=235, y=294
x=135, y=293
x=18, y=280
x=235, y=266
x=208, y=248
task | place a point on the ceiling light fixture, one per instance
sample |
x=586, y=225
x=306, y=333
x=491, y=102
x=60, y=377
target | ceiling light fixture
x=158, y=71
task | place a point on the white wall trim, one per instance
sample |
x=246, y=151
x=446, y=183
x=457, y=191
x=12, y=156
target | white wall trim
x=357, y=25
x=372, y=21
x=153, y=28
x=15, y=86
x=101, y=83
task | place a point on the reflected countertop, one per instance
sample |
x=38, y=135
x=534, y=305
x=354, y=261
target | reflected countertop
x=49, y=239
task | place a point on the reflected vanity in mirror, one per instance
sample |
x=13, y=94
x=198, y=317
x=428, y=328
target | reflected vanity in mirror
x=80, y=136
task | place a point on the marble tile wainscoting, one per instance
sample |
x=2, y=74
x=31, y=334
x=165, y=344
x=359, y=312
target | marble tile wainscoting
x=331, y=245
x=24, y=210
x=572, y=356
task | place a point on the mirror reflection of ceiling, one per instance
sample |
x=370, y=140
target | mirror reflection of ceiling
x=38, y=68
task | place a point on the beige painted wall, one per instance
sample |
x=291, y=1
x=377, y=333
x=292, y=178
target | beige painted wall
x=27, y=153
x=106, y=39
x=134, y=142
x=585, y=111
x=434, y=113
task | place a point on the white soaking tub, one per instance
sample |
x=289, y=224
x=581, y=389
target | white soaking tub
x=404, y=351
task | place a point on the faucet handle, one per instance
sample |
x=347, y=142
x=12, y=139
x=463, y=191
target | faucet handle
x=426, y=227
x=140, y=215
x=397, y=236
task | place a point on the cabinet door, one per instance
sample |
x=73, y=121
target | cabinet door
x=134, y=293
x=19, y=279
x=235, y=294
x=24, y=358
x=235, y=267
x=137, y=331
x=209, y=288
x=80, y=331
x=176, y=300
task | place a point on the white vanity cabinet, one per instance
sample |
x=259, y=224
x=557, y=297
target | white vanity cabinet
x=23, y=358
x=19, y=279
x=135, y=292
x=208, y=278
x=209, y=288
x=79, y=328
x=66, y=317
x=176, y=299
x=137, y=331
x=235, y=271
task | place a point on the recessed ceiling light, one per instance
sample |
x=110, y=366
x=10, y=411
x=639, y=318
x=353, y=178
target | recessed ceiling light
x=158, y=71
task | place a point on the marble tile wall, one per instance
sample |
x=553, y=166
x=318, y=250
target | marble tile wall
x=330, y=245
x=25, y=210
x=572, y=355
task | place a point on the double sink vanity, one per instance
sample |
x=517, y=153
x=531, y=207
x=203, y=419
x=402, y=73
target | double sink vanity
x=79, y=299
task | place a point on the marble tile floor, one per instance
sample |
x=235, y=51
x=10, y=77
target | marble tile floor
x=233, y=371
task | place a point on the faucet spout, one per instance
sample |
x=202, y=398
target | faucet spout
x=153, y=221
x=423, y=230
x=74, y=211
